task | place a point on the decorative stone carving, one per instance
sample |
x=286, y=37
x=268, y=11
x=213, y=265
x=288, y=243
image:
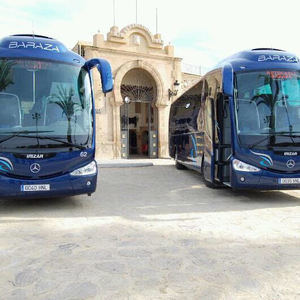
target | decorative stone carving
x=125, y=53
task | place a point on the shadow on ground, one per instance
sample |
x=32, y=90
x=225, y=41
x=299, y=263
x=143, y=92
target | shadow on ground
x=159, y=190
x=114, y=244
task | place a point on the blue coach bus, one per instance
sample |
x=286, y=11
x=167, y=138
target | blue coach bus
x=47, y=118
x=240, y=125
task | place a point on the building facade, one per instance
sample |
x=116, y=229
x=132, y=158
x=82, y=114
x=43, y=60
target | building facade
x=132, y=121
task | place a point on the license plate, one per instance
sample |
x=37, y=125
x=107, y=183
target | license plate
x=35, y=187
x=289, y=180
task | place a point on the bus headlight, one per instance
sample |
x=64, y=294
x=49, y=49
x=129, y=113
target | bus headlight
x=243, y=167
x=90, y=169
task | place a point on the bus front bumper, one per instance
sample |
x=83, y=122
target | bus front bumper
x=264, y=180
x=60, y=186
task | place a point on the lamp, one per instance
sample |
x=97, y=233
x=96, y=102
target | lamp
x=175, y=91
x=127, y=100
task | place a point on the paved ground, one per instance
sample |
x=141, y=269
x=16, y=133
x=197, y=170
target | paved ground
x=152, y=233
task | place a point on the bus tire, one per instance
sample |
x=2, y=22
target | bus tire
x=179, y=166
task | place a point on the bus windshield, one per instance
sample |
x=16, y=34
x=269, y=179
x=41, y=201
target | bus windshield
x=267, y=108
x=44, y=104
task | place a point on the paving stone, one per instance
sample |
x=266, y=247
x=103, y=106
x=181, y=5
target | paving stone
x=78, y=291
x=111, y=267
x=25, y=278
x=152, y=234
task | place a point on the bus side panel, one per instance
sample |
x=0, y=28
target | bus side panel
x=177, y=137
x=201, y=132
x=208, y=166
x=183, y=127
x=209, y=157
x=223, y=138
x=195, y=137
x=213, y=162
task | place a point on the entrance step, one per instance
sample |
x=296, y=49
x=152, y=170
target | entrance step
x=132, y=163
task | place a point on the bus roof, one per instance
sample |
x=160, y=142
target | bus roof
x=261, y=58
x=37, y=47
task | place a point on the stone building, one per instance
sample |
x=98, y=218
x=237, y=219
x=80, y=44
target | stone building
x=132, y=121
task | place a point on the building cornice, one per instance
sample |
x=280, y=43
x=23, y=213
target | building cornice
x=137, y=55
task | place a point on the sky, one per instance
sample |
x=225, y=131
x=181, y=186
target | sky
x=203, y=32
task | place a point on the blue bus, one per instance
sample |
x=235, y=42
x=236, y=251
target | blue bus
x=240, y=125
x=47, y=118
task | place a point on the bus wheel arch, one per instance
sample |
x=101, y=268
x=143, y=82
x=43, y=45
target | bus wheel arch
x=178, y=165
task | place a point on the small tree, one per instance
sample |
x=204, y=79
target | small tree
x=65, y=102
x=5, y=74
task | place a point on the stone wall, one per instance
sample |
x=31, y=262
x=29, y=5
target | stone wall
x=132, y=47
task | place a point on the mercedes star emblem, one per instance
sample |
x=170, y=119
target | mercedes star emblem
x=290, y=163
x=35, y=168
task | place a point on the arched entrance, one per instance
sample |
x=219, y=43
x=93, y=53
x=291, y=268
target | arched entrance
x=138, y=115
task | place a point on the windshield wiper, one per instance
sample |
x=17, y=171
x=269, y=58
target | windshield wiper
x=259, y=142
x=19, y=134
x=287, y=133
x=26, y=131
x=281, y=133
x=63, y=142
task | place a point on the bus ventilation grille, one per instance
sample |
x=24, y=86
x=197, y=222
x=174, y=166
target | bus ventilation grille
x=266, y=49
x=33, y=35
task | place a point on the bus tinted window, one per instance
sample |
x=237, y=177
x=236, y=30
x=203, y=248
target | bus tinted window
x=268, y=102
x=53, y=98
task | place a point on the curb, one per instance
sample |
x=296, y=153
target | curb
x=124, y=165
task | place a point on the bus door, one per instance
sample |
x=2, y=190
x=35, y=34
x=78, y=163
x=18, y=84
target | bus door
x=192, y=109
x=222, y=139
x=209, y=137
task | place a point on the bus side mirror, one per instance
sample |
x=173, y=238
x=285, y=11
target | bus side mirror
x=104, y=69
x=228, y=80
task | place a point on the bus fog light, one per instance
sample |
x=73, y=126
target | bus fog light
x=242, y=179
x=90, y=169
x=88, y=183
x=243, y=167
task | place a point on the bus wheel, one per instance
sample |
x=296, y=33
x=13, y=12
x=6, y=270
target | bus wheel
x=179, y=166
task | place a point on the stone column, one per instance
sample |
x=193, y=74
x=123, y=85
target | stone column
x=116, y=129
x=163, y=131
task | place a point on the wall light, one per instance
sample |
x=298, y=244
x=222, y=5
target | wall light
x=175, y=91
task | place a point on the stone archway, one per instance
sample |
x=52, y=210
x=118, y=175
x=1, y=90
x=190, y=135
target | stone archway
x=137, y=64
x=117, y=101
x=138, y=113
